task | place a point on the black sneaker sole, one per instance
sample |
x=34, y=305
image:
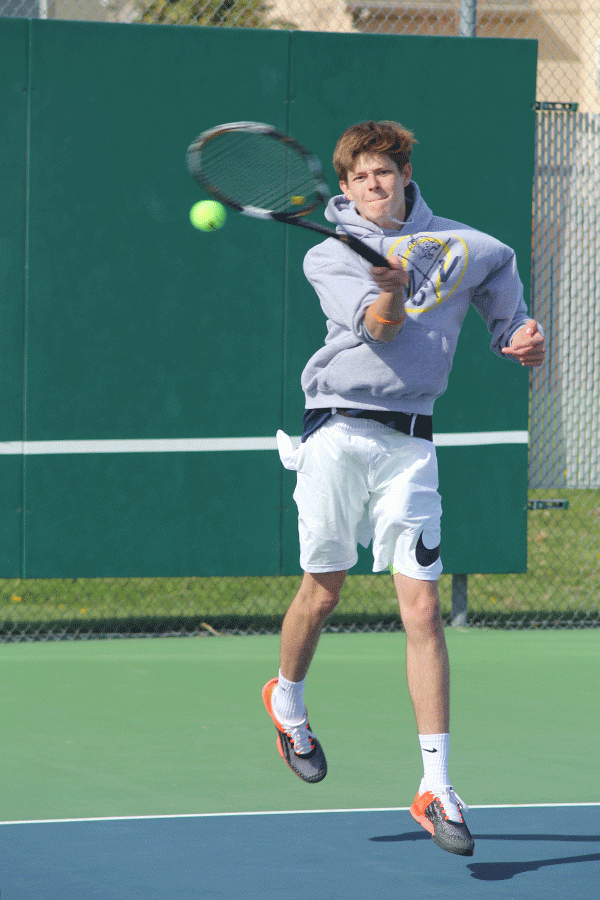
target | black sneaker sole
x=454, y=837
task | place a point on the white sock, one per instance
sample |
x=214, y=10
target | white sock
x=435, y=750
x=288, y=701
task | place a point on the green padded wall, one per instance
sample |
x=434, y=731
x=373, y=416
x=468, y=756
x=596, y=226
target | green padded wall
x=14, y=105
x=122, y=323
x=473, y=163
x=141, y=326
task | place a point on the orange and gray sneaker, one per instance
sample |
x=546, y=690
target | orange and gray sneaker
x=441, y=815
x=297, y=745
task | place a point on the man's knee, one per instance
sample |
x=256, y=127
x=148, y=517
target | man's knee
x=320, y=592
x=419, y=603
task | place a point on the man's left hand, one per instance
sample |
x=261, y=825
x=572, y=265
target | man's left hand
x=527, y=345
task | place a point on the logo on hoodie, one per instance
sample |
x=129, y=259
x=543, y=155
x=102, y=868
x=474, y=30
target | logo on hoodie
x=435, y=264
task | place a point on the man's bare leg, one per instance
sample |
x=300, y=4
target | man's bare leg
x=427, y=666
x=436, y=806
x=316, y=599
x=284, y=696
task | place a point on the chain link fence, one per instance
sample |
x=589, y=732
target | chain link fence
x=567, y=31
x=562, y=585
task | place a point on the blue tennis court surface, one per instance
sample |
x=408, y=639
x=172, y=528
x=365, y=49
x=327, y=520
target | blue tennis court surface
x=521, y=853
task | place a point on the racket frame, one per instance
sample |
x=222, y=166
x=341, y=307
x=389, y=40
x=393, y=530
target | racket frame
x=321, y=190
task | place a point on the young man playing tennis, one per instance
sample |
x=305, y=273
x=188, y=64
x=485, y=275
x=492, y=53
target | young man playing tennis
x=367, y=466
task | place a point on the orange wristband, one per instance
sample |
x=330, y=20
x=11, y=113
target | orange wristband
x=388, y=321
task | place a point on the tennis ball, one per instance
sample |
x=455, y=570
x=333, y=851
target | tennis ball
x=208, y=215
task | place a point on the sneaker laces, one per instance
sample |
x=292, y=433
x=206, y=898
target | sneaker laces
x=301, y=738
x=452, y=803
x=298, y=733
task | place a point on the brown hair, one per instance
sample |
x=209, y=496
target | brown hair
x=386, y=137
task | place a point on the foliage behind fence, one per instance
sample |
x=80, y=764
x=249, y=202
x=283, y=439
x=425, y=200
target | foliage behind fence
x=560, y=590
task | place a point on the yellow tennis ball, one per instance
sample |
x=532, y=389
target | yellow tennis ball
x=208, y=215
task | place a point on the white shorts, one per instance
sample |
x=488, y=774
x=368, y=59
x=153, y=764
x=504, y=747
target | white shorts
x=361, y=482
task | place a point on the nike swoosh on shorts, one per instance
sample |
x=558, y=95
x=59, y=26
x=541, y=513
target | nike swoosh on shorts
x=425, y=556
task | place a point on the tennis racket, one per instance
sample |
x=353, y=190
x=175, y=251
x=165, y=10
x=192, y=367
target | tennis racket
x=261, y=172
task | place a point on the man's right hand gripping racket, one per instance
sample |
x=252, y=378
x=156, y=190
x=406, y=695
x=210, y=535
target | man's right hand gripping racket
x=261, y=172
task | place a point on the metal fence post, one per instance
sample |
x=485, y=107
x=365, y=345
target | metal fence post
x=468, y=18
x=459, y=600
x=468, y=28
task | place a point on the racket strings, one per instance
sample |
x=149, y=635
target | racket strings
x=258, y=170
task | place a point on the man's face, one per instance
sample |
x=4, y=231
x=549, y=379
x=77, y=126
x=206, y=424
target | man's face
x=376, y=185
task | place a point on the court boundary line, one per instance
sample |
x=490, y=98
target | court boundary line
x=281, y=812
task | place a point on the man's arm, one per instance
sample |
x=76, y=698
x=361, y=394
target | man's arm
x=385, y=317
x=527, y=345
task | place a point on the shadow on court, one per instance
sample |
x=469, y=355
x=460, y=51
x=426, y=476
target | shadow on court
x=412, y=836
x=504, y=870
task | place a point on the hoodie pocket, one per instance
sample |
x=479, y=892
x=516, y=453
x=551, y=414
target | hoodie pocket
x=415, y=365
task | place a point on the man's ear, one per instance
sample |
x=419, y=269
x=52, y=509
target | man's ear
x=407, y=174
x=346, y=190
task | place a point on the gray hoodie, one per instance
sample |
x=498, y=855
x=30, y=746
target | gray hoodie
x=449, y=265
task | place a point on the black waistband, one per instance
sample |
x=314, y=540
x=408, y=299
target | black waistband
x=414, y=425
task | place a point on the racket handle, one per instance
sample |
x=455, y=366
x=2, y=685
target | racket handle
x=372, y=256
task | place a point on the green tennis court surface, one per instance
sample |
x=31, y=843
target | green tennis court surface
x=175, y=728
